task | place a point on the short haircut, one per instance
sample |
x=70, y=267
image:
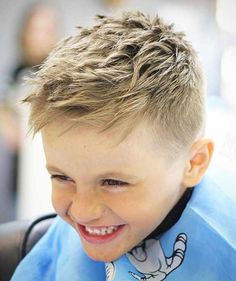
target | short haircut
x=123, y=70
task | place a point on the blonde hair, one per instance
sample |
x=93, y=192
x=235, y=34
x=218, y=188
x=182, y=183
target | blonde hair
x=123, y=70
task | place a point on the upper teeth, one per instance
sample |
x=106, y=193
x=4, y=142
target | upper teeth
x=101, y=231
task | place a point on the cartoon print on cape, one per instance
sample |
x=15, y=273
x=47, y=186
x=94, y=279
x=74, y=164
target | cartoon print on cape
x=150, y=261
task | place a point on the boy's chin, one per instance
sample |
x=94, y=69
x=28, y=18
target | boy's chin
x=103, y=255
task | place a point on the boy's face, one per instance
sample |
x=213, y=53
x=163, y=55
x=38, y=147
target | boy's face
x=114, y=195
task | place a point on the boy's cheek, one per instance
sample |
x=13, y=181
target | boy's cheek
x=61, y=206
x=60, y=203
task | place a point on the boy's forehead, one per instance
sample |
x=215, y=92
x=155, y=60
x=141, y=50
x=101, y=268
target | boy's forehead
x=141, y=137
x=84, y=152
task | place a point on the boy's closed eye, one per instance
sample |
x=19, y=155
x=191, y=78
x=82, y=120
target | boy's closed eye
x=112, y=182
x=105, y=182
x=61, y=178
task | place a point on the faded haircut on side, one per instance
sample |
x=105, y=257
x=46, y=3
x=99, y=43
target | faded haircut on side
x=123, y=70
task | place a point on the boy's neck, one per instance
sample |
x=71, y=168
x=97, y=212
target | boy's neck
x=173, y=216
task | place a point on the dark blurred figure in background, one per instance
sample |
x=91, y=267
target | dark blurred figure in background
x=37, y=37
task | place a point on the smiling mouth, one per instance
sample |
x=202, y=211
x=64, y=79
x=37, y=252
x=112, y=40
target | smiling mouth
x=101, y=230
x=99, y=235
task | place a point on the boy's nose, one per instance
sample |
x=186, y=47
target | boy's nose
x=86, y=208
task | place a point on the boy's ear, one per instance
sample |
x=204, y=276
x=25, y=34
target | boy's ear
x=198, y=162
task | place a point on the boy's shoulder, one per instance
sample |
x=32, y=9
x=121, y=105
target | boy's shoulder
x=204, y=237
x=214, y=202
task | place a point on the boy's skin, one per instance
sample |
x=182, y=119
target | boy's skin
x=88, y=190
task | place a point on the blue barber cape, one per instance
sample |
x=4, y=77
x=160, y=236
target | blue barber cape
x=201, y=246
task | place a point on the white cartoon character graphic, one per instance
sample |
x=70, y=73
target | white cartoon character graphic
x=150, y=261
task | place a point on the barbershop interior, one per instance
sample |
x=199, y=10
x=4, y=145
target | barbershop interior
x=29, y=31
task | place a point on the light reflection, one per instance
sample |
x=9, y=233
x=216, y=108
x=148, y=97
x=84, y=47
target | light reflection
x=225, y=15
x=228, y=76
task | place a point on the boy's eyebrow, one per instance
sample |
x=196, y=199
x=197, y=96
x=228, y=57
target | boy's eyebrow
x=53, y=168
x=110, y=174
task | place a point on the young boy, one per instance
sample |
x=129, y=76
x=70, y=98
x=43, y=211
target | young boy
x=121, y=110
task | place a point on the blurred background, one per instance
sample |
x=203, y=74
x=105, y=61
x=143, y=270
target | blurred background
x=29, y=30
